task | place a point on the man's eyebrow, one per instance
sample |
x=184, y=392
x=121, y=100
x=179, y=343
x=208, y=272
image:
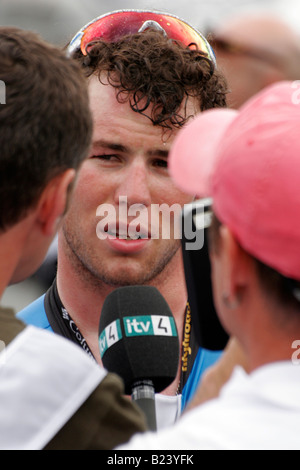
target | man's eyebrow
x=110, y=145
x=157, y=152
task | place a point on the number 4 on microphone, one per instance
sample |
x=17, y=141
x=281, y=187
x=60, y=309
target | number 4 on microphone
x=111, y=335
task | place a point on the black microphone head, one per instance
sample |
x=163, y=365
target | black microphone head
x=138, y=337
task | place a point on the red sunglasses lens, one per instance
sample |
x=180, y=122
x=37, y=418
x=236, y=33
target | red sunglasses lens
x=113, y=26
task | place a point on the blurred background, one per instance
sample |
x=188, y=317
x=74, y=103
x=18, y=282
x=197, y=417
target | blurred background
x=58, y=20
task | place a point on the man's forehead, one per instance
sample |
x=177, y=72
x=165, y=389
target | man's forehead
x=104, y=100
x=100, y=92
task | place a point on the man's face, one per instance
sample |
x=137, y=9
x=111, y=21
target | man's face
x=125, y=178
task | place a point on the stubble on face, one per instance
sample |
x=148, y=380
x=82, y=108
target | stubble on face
x=114, y=273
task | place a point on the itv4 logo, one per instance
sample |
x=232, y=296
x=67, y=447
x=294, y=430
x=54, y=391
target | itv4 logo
x=144, y=325
x=153, y=325
x=111, y=335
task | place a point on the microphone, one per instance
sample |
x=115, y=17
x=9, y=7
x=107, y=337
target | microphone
x=138, y=340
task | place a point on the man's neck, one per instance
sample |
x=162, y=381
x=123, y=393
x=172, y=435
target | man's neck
x=11, y=247
x=266, y=329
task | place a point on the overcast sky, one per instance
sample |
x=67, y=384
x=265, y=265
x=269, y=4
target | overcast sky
x=58, y=20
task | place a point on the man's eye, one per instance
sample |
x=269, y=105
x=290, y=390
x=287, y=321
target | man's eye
x=106, y=158
x=160, y=163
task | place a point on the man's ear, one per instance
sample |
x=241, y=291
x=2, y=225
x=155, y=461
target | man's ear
x=237, y=265
x=54, y=201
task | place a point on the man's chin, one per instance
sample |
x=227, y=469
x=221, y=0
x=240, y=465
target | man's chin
x=129, y=279
x=131, y=274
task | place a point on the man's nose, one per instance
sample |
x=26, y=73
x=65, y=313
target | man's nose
x=135, y=185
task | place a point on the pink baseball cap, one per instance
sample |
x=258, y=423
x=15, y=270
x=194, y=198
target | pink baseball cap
x=193, y=154
x=255, y=173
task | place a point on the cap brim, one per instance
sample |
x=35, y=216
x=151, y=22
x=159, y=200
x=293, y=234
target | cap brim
x=194, y=151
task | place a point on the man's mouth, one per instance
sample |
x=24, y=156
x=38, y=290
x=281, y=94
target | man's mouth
x=126, y=233
x=125, y=240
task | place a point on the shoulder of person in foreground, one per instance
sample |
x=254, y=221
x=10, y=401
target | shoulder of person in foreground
x=85, y=410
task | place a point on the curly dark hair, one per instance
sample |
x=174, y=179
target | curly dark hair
x=149, y=68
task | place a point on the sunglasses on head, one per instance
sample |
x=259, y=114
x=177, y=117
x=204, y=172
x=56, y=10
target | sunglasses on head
x=113, y=26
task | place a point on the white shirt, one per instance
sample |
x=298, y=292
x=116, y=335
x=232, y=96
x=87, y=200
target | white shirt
x=168, y=410
x=44, y=379
x=256, y=411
